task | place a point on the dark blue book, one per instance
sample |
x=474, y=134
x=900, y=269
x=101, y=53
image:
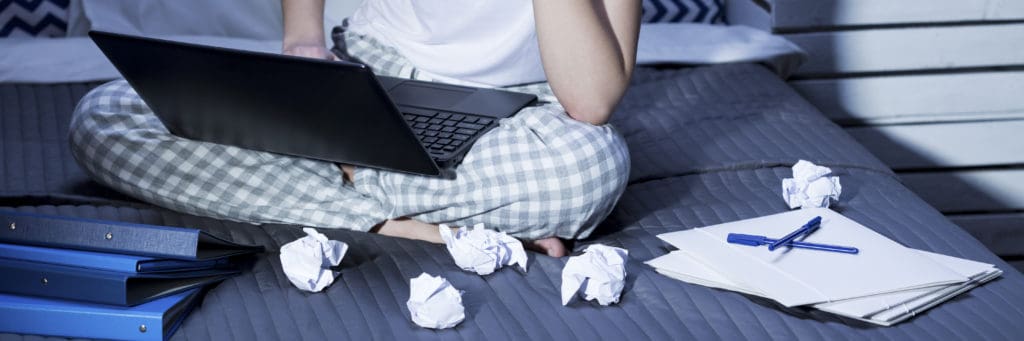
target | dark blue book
x=106, y=261
x=99, y=286
x=116, y=237
x=156, y=320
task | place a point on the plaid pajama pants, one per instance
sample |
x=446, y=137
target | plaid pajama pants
x=538, y=174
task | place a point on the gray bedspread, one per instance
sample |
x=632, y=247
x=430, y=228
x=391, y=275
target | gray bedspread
x=709, y=145
x=36, y=165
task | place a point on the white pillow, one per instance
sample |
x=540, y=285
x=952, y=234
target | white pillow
x=252, y=19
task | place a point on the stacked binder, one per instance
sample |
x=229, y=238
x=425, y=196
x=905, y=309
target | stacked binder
x=101, y=279
x=883, y=283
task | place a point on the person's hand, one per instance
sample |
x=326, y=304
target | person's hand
x=309, y=50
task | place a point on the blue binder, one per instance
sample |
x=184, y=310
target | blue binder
x=115, y=237
x=99, y=286
x=156, y=320
x=106, y=261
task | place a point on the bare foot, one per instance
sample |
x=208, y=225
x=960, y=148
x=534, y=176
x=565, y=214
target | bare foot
x=551, y=246
x=349, y=172
x=415, y=229
x=409, y=228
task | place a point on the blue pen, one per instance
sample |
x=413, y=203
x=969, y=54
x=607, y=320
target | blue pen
x=754, y=240
x=807, y=229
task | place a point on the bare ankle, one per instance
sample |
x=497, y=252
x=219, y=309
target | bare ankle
x=410, y=229
x=551, y=246
x=348, y=172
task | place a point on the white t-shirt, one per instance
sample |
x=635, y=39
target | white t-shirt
x=483, y=42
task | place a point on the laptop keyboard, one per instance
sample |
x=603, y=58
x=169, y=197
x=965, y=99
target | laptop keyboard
x=442, y=133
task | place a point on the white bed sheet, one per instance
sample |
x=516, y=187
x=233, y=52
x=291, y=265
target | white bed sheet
x=77, y=59
x=699, y=44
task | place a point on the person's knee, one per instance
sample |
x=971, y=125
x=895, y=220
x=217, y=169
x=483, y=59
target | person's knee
x=89, y=119
x=100, y=118
x=592, y=180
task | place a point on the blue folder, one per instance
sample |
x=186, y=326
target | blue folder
x=106, y=261
x=115, y=237
x=156, y=320
x=99, y=286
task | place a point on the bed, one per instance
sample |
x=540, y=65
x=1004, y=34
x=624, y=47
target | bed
x=709, y=144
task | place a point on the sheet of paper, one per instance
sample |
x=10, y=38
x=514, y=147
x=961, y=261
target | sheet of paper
x=307, y=261
x=909, y=300
x=796, y=277
x=904, y=311
x=678, y=265
x=598, y=274
x=481, y=250
x=882, y=309
x=978, y=273
x=922, y=303
x=434, y=303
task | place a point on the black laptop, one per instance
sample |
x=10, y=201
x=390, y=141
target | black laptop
x=328, y=110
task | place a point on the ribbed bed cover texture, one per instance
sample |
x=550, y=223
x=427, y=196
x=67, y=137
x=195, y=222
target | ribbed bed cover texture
x=708, y=145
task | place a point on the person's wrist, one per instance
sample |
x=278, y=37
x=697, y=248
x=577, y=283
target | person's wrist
x=307, y=49
x=297, y=42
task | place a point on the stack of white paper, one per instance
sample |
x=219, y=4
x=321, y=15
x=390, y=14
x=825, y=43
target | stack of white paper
x=883, y=284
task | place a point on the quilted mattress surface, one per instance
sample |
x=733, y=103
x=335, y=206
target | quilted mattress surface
x=708, y=144
x=35, y=162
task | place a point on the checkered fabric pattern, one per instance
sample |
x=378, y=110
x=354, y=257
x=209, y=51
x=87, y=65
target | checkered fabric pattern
x=539, y=174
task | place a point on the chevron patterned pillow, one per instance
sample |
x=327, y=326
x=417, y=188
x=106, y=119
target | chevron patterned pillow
x=33, y=18
x=695, y=11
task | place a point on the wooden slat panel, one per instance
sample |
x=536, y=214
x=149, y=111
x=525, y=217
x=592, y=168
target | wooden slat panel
x=967, y=144
x=790, y=14
x=1003, y=233
x=970, y=191
x=917, y=98
x=908, y=49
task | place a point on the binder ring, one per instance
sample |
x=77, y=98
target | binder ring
x=13, y=226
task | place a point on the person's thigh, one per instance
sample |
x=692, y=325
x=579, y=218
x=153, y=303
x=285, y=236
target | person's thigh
x=538, y=174
x=118, y=140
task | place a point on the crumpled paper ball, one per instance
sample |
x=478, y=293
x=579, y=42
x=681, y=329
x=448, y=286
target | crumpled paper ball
x=810, y=186
x=434, y=303
x=481, y=250
x=598, y=274
x=307, y=261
